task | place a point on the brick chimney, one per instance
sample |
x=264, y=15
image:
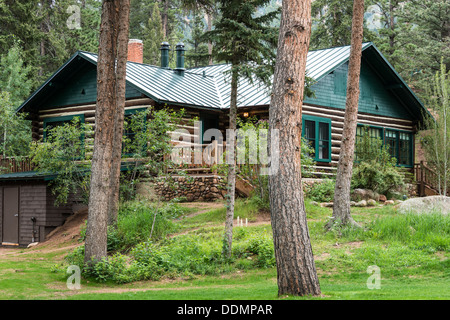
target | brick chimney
x=135, y=51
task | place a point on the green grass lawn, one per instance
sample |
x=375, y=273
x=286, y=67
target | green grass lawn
x=412, y=254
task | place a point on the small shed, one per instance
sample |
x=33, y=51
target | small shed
x=27, y=208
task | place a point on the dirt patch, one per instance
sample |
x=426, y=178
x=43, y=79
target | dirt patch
x=322, y=256
x=66, y=236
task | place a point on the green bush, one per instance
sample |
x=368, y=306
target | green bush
x=375, y=168
x=135, y=223
x=374, y=176
x=262, y=246
x=321, y=191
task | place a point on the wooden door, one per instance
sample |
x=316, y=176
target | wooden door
x=11, y=215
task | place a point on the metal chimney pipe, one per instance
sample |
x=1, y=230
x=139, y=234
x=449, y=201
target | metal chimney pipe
x=165, y=48
x=180, y=58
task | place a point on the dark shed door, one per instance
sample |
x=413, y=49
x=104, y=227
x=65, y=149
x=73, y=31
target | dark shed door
x=11, y=215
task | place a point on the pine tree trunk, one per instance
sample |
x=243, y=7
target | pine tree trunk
x=341, y=207
x=231, y=161
x=209, y=19
x=106, y=107
x=122, y=54
x=296, y=271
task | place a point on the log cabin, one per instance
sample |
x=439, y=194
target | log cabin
x=387, y=105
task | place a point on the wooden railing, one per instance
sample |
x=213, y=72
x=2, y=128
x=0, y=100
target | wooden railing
x=13, y=165
x=197, y=157
x=426, y=178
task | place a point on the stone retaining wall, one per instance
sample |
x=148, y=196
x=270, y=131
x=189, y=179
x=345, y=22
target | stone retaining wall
x=194, y=188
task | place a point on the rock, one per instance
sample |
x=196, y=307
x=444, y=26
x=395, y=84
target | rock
x=362, y=203
x=423, y=205
x=32, y=244
x=382, y=198
x=371, y=203
x=364, y=194
x=352, y=203
x=327, y=204
x=314, y=203
x=389, y=202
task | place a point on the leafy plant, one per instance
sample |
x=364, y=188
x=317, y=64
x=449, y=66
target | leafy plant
x=63, y=154
x=321, y=191
x=375, y=168
x=147, y=142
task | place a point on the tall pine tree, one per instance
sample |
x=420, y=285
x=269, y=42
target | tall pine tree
x=248, y=43
x=153, y=36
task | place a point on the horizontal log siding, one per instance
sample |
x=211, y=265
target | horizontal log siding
x=89, y=117
x=336, y=116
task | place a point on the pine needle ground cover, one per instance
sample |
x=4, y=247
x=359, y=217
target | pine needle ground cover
x=411, y=253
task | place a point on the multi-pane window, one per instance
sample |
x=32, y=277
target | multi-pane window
x=134, y=120
x=398, y=143
x=367, y=147
x=390, y=139
x=50, y=123
x=317, y=131
x=404, y=149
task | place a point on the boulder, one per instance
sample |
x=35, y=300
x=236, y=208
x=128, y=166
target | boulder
x=389, y=202
x=364, y=194
x=327, y=204
x=371, y=203
x=382, y=198
x=423, y=205
x=362, y=203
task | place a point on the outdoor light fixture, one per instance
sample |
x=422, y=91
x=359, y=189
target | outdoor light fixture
x=245, y=114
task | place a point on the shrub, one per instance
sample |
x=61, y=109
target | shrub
x=375, y=168
x=372, y=175
x=135, y=223
x=262, y=246
x=321, y=191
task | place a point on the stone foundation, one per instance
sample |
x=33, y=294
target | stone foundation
x=193, y=188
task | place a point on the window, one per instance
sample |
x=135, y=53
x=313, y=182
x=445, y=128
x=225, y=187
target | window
x=317, y=131
x=399, y=143
x=363, y=147
x=68, y=148
x=390, y=140
x=404, y=149
x=131, y=124
x=50, y=123
x=400, y=146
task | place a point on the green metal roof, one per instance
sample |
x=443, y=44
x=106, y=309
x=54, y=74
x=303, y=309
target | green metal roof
x=36, y=175
x=28, y=175
x=208, y=87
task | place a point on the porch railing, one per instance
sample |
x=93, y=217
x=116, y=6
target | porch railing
x=14, y=165
x=426, y=178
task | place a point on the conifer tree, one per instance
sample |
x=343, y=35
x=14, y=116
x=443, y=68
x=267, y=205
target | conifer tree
x=296, y=271
x=153, y=36
x=248, y=43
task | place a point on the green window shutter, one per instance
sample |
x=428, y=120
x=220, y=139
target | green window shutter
x=317, y=131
